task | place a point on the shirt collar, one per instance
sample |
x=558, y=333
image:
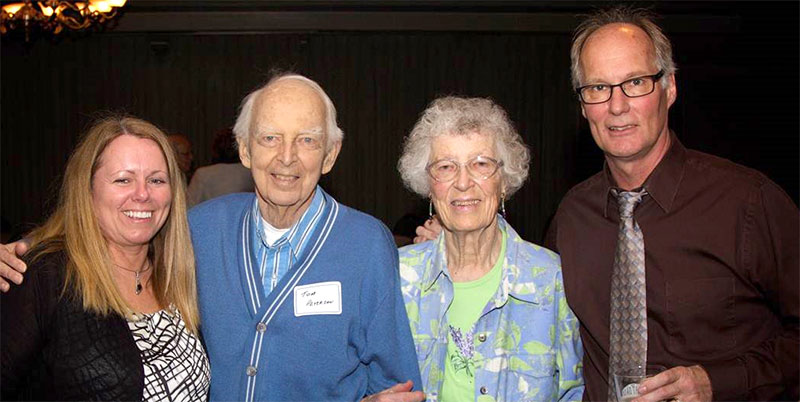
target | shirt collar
x=516, y=283
x=297, y=233
x=663, y=183
x=437, y=267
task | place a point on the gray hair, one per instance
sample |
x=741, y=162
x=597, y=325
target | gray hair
x=241, y=129
x=639, y=17
x=452, y=115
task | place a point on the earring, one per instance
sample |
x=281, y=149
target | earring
x=430, y=209
x=503, y=205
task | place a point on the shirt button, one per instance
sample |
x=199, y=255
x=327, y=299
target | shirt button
x=484, y=391
x=482, y=337
x=261, y=327
x=251, y=371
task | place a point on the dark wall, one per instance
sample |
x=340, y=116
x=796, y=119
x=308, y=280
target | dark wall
x=737, y=98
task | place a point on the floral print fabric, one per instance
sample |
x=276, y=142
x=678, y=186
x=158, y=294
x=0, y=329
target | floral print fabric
x=526, y=342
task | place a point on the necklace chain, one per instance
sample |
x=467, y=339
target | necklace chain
x=138, y=289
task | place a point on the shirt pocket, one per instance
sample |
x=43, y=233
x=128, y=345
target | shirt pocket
x=700, y=315
x=529, y=377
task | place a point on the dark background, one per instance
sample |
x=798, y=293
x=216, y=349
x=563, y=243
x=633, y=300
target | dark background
x=185, y=65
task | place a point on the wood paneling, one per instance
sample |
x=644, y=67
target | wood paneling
x=737, y=98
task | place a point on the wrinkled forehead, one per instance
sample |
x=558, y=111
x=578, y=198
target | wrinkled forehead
x=463, y=143
x=289, y=102
x=619, y=36
x=617, y=47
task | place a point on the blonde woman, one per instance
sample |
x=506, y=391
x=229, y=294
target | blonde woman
x=108, y=309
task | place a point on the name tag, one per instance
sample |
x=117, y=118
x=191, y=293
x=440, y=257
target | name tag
x=318, y=298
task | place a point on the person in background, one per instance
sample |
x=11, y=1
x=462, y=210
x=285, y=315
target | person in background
x=486, y=308
x=226, y=174
x=183, y=151
x=109, y=308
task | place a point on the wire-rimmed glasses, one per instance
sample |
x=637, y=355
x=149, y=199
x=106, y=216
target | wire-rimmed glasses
x=479, y=167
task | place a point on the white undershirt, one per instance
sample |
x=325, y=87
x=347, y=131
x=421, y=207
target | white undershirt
x=272, y=233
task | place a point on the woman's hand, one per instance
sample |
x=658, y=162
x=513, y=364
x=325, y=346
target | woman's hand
x=398, y=393
x=429, y=231
x=11, y=266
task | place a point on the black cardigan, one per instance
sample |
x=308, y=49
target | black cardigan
x=54, y=350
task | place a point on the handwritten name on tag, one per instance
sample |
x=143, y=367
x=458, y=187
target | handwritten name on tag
x=318, y=298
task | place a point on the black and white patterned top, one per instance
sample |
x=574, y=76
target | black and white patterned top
x=175, y=363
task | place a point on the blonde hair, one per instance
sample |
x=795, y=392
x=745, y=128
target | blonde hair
x=73, y=228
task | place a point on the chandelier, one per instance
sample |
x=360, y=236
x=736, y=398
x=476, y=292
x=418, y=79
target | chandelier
x=55, y=15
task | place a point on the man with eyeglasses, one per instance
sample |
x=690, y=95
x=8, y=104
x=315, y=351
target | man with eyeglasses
x=671, y=257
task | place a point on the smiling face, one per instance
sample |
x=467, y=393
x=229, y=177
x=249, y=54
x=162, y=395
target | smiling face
x=286, y=149
x=131, y=192
x=465, y=204
x=626, y=129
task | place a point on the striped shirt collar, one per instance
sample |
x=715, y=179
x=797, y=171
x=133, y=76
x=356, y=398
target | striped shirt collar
x=298, y=233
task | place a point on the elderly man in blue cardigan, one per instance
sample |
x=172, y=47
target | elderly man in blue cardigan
x=299, y=295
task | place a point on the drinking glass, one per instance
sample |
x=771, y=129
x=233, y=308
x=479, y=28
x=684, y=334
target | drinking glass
x=626, y=382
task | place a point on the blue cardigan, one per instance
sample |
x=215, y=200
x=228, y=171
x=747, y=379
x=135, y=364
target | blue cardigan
x=334, y=328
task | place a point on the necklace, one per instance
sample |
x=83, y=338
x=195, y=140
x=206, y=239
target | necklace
x=138, y=273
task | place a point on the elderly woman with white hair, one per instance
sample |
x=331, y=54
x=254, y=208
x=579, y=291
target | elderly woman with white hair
x=486, y=308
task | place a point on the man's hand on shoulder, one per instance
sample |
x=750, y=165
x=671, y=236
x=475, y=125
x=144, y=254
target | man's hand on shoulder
x=398, y=393
x=684, y=384
x=429, y=230
x=11, y=266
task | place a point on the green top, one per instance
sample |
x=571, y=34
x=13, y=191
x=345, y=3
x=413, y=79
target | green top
x=469, y=300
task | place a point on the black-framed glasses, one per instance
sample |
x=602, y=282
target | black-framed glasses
x=632, y=88
x=479, y=167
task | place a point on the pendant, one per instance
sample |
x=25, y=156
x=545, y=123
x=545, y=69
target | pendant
x=138, y=285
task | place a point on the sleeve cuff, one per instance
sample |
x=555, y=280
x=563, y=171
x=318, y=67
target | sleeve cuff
x=728, y=379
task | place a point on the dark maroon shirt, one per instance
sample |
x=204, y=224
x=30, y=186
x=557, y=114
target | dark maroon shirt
x=721, y=256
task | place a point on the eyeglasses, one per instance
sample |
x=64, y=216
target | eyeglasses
x=479, y=167
x=632, y=88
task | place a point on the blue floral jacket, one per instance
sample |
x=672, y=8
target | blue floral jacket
x=527, y=341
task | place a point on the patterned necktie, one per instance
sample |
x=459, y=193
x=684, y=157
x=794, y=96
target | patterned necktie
x=628, y=349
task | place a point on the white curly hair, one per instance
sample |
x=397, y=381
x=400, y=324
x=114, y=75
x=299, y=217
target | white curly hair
x=452, y=115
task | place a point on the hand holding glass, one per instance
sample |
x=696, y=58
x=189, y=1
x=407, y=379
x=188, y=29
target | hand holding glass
x=626, y=382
